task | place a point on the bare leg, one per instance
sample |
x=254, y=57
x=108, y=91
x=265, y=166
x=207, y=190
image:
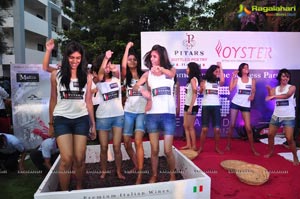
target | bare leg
x=246, y=117
x=140, y=155
x=168, y=142
x=272, y=131
x=233, y=116
x=289, y=131
x=117, y=137
x=187, y=132
x=103, y=139
x=65, y=145
x=202, y=138
x=154, y=142
x=217, y=140
x=79, y=160
x=130, y=151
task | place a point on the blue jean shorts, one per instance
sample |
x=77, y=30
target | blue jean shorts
x=279, y=121
x=211, y=112
x=133, y=122
x=106, y=124
x=77, y=126
x=240, y=108
x=161, y=123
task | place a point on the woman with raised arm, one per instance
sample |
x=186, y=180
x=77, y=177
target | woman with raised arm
x=134, y=116
x=110, y=113
x=71, y=115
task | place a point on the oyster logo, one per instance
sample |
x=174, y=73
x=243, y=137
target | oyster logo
x=244, y=52
x=243, y=11
x=189, y=43
x=28, y=77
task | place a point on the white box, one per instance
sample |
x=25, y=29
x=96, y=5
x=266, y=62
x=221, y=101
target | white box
x=194, y=185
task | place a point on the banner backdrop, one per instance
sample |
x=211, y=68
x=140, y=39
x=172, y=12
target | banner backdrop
x=30, y=93
x=265, y=52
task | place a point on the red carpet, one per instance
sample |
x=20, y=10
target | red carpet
x=284, y=181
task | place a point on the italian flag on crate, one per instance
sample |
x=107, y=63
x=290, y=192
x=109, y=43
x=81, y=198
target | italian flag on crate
x=198, y=188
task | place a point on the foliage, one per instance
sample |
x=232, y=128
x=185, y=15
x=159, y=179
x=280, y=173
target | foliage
x=109, y=24
x=4, y=4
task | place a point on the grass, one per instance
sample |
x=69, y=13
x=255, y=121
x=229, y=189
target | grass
x=16, y=186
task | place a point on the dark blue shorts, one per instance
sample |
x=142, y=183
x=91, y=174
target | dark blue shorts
x=77, y=126
x=240, y=108
x=211, y=112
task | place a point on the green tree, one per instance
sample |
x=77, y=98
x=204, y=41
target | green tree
x=110, y=24
x=224, y=16
x=4, y=4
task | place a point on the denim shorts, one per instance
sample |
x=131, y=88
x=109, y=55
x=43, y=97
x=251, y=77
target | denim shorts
x=77, y=126
x=161, y=123
x=133, y=121
x=106, y=124
x=213, y=112
x=279, y=121
x=195, y=109
x=240, y=108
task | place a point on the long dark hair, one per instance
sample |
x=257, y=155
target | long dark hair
x=163, y=57
x=241, y=67
x=97, y=64
x=195, y=71
x=209, y=75
x=65, y=70
x=286, y=72
x=138, y=68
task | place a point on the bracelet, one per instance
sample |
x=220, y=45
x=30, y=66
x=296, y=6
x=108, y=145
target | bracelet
x=50, y=123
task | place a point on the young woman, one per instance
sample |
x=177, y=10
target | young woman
x=71, y=115
x=241, y=101
x=110, y=113
x=161, y=115
x=284, y=112
x=191, y=106
x=134, y=108
x=211, y=107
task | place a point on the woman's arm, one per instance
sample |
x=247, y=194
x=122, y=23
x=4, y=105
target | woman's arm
x=89, y=105
x=233, y=80
x=222, y=79
x=291, y=91
x=141, y=81
x=170, y=73
x=253, y=90
x=194, y=96
x=49, y=47
x=107, y=56
x=52, y=103
x=202, y=86
x=125, y=59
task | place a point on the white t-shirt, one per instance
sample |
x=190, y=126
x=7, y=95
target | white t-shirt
x=189, y=94
x=162, y=94
x=284, y=107
x=211, y=94
x=70, y=104
x=135, y=102
x=243, y=92
x=110, y=99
